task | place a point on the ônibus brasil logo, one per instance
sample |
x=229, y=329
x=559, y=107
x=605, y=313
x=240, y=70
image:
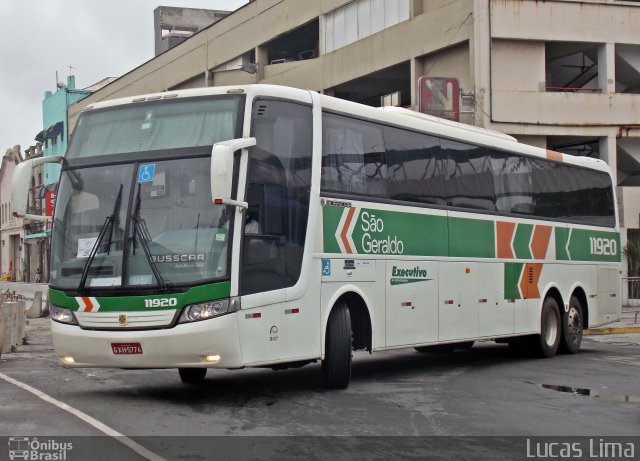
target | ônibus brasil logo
x=29, y=448
x=400, y=276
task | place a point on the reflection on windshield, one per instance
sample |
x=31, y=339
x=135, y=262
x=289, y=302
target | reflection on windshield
x=174, y=234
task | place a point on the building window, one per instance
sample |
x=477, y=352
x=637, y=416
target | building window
x=359, y=19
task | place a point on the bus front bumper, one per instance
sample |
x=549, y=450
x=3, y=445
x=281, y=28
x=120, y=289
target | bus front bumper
x=210, y=343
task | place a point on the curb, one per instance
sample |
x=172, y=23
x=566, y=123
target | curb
x=612, y=331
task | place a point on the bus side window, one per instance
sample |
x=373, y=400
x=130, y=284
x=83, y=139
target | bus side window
x=265, y=213
x=353, y=158
x=469, y=181
x=278, y=188
x=416, y=167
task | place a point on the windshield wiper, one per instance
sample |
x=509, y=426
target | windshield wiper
x=107, y=226
x=140, y=228
x=115, y=219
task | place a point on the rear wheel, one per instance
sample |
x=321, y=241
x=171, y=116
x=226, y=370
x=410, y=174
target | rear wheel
x=572, y=327
x=336, y=366
x=192, y=375
x=546, y=343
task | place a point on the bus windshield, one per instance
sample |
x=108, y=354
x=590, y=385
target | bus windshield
x=152, y=224
x=152, y=126
x=142, y=216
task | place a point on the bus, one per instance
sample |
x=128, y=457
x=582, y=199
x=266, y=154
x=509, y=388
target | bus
x=267, y=226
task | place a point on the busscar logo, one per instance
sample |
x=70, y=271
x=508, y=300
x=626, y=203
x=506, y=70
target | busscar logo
x=38, y=450
x=335, y=203
x=400, y=276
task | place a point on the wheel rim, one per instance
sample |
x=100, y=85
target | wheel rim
x=574, y=324
x=551, y=329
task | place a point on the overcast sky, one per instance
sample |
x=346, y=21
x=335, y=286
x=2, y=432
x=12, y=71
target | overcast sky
x=99, y=38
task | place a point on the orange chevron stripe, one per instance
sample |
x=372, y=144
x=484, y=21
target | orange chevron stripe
x=529, y=281
x=345, y=229
x=88, y=305
x=504, y=236
x=540, y=241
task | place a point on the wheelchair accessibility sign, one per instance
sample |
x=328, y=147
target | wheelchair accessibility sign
x=326, y=267
x=146, y=172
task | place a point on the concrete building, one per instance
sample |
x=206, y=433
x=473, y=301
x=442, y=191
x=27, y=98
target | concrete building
x=36, y=241
x=560, y=74
x=174, y=25
x=55, y=133
x=33, y=251
x=12, y=263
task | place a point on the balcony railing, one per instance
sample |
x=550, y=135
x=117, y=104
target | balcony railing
x=574, y=90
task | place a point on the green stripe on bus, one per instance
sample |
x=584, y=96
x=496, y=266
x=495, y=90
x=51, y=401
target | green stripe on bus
x=331, y=218
x=512, y=273
x=209, y=292
x=521, y=241
x=387, y=232
x=562, y=237
x=588, y=245
x=472, y=238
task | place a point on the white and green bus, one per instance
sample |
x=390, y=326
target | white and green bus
x=261, y=225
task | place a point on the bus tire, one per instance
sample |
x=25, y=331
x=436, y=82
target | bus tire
x=192, y=375
x=336, y=366
x=572, y=327
x=547, y=342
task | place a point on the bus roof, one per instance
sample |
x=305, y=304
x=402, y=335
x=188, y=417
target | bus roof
x=392, y=115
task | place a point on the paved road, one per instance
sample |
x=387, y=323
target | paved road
x=485, y=391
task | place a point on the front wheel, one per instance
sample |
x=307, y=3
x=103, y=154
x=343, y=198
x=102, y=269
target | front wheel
x=192, y=375
x=572, y=327
x=546, y=343
x=336, y=366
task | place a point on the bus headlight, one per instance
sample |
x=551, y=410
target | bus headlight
x=208, y=310
x=62, y=315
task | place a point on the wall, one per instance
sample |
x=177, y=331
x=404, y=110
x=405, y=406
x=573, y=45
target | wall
x=11, y=229
x=526, y=26
x=631, y=207
x=517, y=65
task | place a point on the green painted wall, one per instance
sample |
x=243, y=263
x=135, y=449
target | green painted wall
x=54, y=110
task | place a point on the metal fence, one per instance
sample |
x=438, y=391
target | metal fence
x=631, y=291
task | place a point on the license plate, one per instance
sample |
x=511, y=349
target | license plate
x=126, y=348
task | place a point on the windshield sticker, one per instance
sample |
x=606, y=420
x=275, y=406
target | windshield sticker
x=221, y=237
x=146, y=172
x=158, y=185
x=85, y=246
x=140, y=279
x=106, y=282
x=147, y=121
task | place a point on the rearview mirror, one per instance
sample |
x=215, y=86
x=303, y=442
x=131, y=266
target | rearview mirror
x=20, y=182
x=222, y=170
